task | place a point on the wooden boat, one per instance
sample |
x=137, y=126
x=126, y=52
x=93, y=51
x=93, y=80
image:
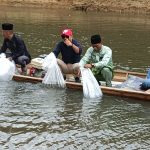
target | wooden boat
x=119, y=77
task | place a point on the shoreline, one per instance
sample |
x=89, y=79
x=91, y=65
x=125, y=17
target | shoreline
x=118, y=6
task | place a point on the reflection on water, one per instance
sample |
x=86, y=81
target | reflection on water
x=127, y=35
x=35, y=117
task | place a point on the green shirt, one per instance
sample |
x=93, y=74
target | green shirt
x=100, y=59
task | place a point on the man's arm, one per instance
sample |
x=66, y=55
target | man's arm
x=3, y=48
x=76, y=47
x=20, y=48
x=56, y=50
x=86, y=57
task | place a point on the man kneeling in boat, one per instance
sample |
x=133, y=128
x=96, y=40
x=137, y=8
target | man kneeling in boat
x=70, y=50
x=16, y=46
x=99, y=59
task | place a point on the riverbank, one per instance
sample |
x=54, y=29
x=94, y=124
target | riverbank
x=121, y=6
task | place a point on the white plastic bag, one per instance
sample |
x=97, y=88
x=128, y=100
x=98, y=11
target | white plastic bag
x=53, y=76
x=91, y=88
x=7, y=68
x=48, y=60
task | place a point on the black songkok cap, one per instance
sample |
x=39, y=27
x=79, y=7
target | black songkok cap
x=95, y=39
x=7, y=26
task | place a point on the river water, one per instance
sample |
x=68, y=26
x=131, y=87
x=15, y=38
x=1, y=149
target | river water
x=35, y=117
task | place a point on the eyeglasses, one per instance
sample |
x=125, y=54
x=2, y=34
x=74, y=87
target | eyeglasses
x=65, y=36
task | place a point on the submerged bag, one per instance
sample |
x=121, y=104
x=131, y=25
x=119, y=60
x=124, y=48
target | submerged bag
x=53, y=75
x=133, y=82
x=91, y=88
x=7, y=68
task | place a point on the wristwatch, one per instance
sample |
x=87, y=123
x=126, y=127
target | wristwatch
x=93, y=65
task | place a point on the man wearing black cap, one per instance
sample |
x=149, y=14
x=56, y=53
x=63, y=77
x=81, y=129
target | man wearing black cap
x=99, y=59
x=15, y=45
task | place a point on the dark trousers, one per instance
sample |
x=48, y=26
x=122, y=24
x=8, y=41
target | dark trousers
x=105, y=74
x=22, y=60
x=146, y=83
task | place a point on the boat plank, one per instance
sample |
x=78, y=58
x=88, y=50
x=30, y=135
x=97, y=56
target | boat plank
x=126, y=93
x=22, y=78
x=147, y=91
x=119, y=76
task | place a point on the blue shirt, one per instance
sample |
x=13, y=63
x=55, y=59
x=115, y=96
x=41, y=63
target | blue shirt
x=148, y=74
x=17, y=47
x=69, y=56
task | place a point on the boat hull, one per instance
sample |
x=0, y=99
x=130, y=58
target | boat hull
x=120, y=76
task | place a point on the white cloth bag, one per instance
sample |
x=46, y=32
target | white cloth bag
x=7, y=68
x=53, y=76
x=91, y=88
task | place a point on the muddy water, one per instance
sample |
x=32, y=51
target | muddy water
x=35, y=117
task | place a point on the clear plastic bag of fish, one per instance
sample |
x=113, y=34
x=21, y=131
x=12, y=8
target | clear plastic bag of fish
x=133, y=82
x=91, y=88
x=7, y=68
x=53, y=76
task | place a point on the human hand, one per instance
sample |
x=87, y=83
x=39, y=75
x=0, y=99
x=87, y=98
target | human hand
x=88, y=66
x=9, y=58
x=79, y=72
x=67, y=42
